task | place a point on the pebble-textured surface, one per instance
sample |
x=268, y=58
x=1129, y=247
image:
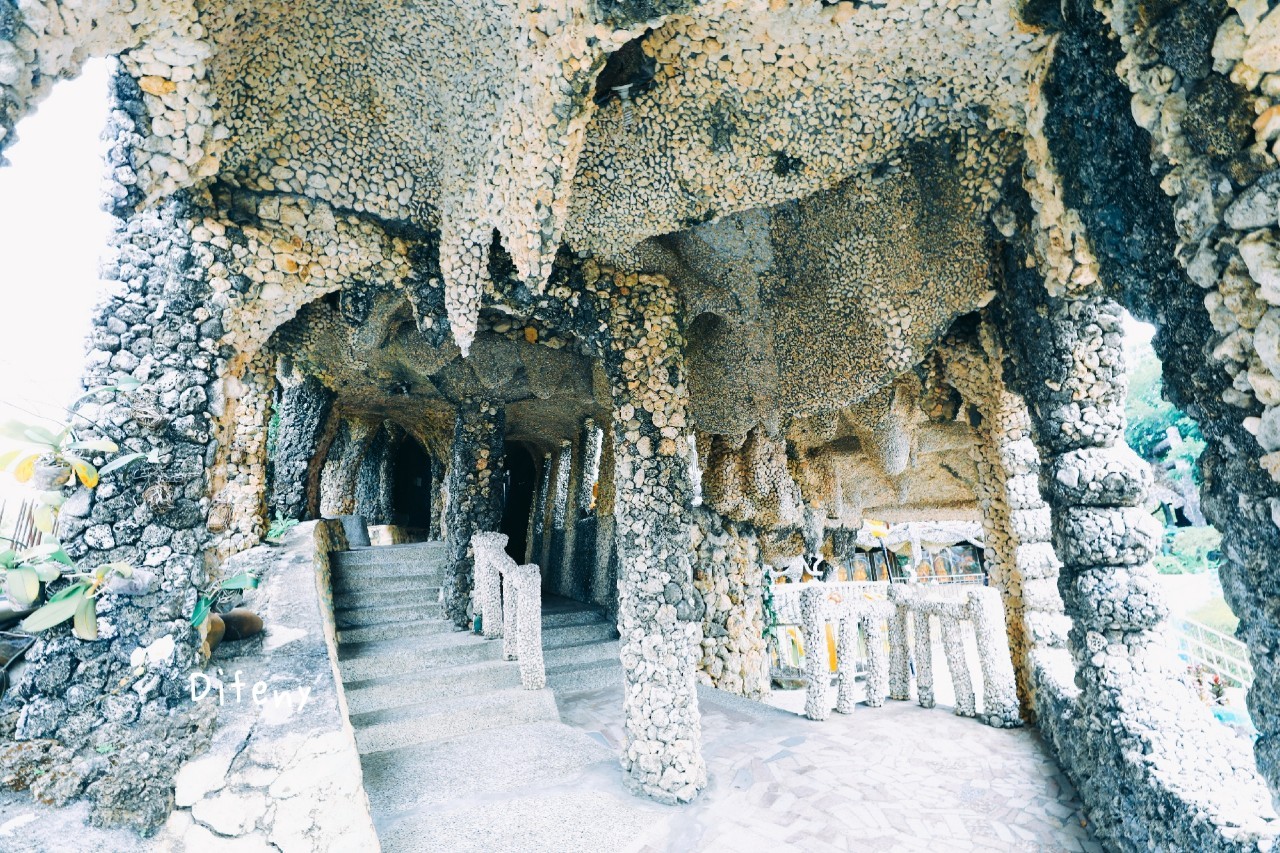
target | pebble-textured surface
x=738, y=235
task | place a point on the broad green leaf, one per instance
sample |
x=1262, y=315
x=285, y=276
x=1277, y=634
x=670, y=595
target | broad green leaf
x=54, y=499
x=8, y=558
x=22, y=586
x=15, y=430
x=43, y=516
x=96, y=445
x=47, y=551
x=87, y=473
x=243, y=580
x=85, y=622
x=26, y=468
x=203, y=605
x=119, y=462
x=47, y=572
x=125, y=382
x=40, y=435
x=74, y=589
x=55, y=612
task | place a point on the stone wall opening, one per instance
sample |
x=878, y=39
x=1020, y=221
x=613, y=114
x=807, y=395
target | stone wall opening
x=411, y=486
x=519, y=494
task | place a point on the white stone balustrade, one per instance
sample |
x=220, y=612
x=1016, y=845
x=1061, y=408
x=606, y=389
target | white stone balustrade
x=862, y=607
x=528, y=604
x=490, y=553
x=509, y=598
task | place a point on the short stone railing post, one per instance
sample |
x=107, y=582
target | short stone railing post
x=813, y=607
x=528, y=589
x=510, y=611
x=489, y=549
x=846, y=668
x=899, y=649
x=874, y=618
x=999, y=684
x=924, y=658
x=957, y=665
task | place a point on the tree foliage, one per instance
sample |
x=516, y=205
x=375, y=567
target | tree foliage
x=1150, y=415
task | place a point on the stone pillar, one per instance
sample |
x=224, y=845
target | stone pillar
x=374, y=483
x=339, y=474
x=475, y=494
x=1021, y=562
x=657, y=619
x=604, y=583
x=1095, y=485
x=570, y=583
x=553, y=559
x=304, y=405
x=438, y=474
x=538, y=518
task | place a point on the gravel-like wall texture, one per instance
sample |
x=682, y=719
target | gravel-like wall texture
x=804, y=263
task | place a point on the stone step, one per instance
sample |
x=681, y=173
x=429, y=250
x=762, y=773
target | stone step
x=394, y=691
x=563, y=618
x=392, y=630
x=389, y=569
x=410, y=553
x=409, y=655
x=581, y=654
x=358, y=617
x=449, y=716
x=585, y=676
x=385, y=594
x=572, y=635
x=355, y=585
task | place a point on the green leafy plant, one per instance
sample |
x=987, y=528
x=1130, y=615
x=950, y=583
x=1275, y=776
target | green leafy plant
x=1150, y=416
x=52, y=460
x=212, y=596
x=279, y=527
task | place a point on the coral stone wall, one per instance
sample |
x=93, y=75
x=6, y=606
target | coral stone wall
x=729, y=577
x=1203, y=80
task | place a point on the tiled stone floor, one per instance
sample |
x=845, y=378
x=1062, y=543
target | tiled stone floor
x=897, y=778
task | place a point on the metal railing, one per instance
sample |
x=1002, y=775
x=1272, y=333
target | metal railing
x=18, y=525
x=1217, y=652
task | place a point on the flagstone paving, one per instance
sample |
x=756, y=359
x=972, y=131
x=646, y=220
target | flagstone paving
x=897, y=778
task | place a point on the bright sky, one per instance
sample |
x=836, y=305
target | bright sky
x=52, y=235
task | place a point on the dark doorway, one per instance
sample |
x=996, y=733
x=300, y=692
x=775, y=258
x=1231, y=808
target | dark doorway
x=521, y=485
x=411, y=478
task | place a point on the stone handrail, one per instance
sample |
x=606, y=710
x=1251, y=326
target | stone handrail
x=879, y=611
x=509, y=598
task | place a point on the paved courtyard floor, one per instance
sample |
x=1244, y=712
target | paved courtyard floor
x=896, y=778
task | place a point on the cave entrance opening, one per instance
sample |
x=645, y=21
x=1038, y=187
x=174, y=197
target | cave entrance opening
x=520, y=490
x=411, y=486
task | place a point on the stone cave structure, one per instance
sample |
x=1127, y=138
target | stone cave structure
x=672, y=291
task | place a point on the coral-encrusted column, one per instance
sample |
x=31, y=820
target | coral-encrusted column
x=1016, y=520
x=475, y=494
x=304, y=406
x=657, y=616
x=1095, y=485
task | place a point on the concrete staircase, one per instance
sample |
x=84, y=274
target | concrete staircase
x=409, y=675
x=442, y=724
x=579, y=646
